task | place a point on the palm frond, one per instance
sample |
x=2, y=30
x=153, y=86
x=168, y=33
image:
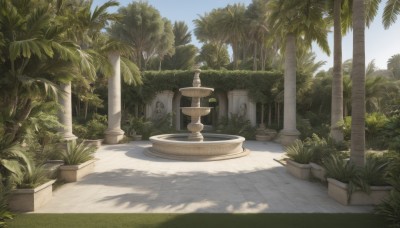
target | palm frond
x=390, y=12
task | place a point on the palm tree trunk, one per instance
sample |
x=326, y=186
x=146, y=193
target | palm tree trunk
x=269, y=114
x=255, y=57
x=289, y=114
x=357, y=154
x=337, y=80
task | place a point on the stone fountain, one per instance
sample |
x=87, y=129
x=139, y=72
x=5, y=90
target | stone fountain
x=196, y=146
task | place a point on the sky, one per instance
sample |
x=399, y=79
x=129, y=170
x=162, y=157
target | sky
x=380, y=44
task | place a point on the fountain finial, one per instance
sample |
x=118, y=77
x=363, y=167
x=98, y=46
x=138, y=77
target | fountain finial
x=196, y=78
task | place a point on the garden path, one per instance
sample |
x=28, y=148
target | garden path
x=127, y=181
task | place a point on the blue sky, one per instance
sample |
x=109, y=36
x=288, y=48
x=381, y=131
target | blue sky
x=380, y=44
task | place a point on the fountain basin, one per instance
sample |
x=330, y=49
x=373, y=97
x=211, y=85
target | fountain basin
x=196, y=91
x=196, y=111
x=214, y=147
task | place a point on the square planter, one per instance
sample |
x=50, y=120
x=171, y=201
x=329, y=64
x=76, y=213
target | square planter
x=298, y=170
x=338, y=191
x=318, y=172
x=30, y=199
x=73, y=173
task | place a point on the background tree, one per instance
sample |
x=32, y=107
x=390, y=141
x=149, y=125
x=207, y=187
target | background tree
x=393, y=65
x=141, y=26
x=214, y=57
x=185, y=53
x=166, y=43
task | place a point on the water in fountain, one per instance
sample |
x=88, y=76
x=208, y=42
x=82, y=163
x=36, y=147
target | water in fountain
x=195, y=146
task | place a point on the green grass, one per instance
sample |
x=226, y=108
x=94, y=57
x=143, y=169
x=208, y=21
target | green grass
x=198, y=220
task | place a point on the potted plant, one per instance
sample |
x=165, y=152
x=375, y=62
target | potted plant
x=350, y=185
x=299, y=159
x=78, y=161
x=33, y=189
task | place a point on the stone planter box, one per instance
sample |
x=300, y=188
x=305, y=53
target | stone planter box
x=73, y=173
x=52, y=167
x=318, y=172
x=24, y=200
x=338, y=191
x=298, y=170
x=93, y=142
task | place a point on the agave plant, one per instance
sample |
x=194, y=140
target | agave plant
x=299, y=152
x=32, y=177
x=344, y=171
x=76, y=154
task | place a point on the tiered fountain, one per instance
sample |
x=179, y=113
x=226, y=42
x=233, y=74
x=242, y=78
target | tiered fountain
x=196, y=146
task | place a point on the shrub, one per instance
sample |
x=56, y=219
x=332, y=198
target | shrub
x=92, y=129
x=299, y=153
x=76, y=154
x=5, y=187
x=237, y=125
x=390, y=207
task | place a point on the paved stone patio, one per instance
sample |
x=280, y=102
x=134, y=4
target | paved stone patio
x=127, y=181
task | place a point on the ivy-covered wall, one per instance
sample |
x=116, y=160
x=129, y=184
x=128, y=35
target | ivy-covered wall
x=262, y=86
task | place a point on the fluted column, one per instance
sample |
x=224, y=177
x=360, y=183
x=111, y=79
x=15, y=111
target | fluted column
x=114, y=134
x=289, y=133
x=65, y=113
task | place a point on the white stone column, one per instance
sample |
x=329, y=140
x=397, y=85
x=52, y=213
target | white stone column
x=65, y=113
x=114, y=134
x=289, y=133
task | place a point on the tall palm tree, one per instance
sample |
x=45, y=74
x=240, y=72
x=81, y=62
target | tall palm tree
x=357, y=154
x=340, y=9
x=291, y=19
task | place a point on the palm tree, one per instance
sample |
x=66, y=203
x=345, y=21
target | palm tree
x=232, y=23
x=358, y=85
x=340, y=9
x=302, y=19
x=141, y=26
x=181, y=33
x=258, y=30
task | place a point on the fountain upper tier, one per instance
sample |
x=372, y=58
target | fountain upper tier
x=196, y=91
x=196, y=111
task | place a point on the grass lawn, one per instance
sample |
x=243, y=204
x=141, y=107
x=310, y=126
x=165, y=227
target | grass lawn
x=198, y=220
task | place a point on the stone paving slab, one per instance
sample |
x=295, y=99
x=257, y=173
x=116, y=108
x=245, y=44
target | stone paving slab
x=127, y=181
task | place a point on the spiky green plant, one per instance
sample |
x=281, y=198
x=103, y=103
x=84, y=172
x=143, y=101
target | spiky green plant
x=299, y=153
x=344, y=171
x=5, y=187
x=32, y=176
x=76, y=154
x=390, y=207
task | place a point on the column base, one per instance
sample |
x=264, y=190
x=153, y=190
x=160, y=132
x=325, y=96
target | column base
x=69, y=137
x=113, y=136
x=287, y=137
